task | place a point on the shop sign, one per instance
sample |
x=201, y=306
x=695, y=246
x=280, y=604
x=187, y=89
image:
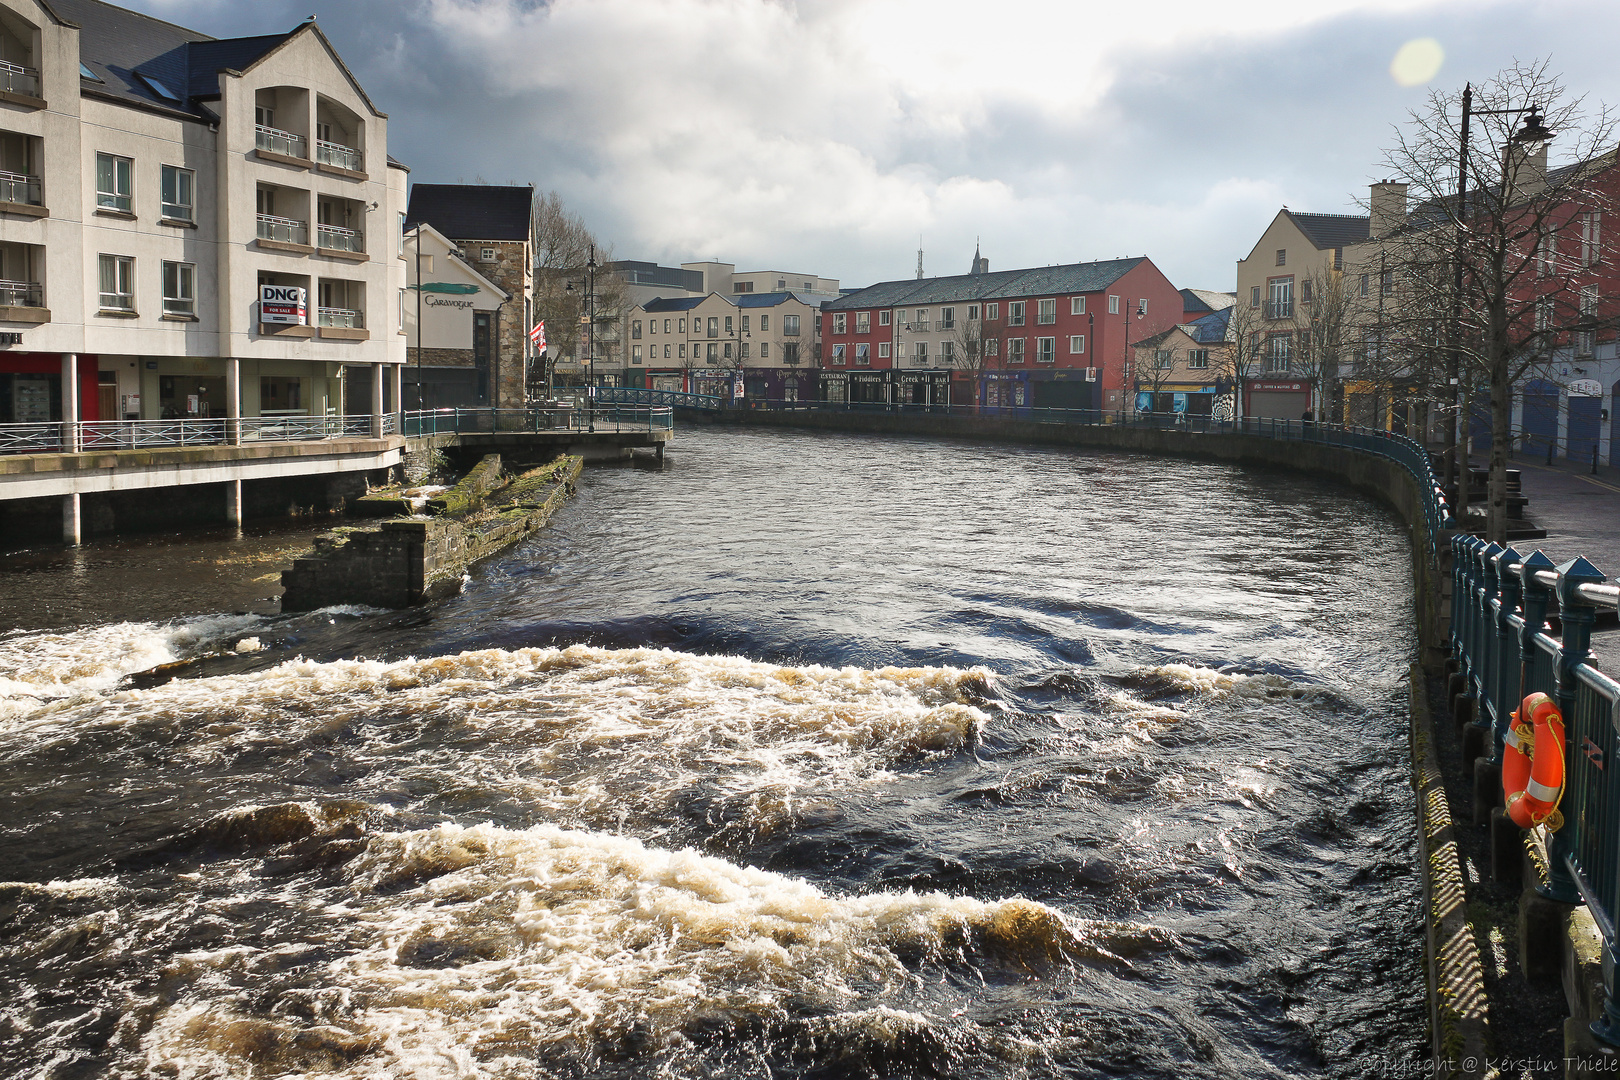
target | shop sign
x=1585, y=388
x=1277, y=386
x=10, y=338
x=282, y=304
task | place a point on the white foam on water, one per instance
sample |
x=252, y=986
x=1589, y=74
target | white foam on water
x=37, y=668
x=1220, y=685
x=491, y=949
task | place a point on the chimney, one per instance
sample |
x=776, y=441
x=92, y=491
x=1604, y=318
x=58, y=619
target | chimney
x=1388, y=208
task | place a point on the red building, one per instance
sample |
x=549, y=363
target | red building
x=1053, y=336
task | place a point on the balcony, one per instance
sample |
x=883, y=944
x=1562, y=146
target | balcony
x=275, y=141
x=1279, y=309
x=337, y=238
x=20, y=188
x=337, y=155
x=342, y=318
x=282, y=230
x=22, y=294
x=16, y=79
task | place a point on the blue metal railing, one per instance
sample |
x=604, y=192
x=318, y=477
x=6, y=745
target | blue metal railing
x=567, y=416
x=1500, y=639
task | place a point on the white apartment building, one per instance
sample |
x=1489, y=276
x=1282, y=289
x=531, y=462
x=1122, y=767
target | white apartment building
x=190, y=227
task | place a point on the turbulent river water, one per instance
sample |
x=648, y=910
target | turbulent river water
x=802, y=756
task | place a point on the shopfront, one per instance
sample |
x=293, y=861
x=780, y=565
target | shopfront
x=835, y=386
x=31, y=388
x=869, y=387
x=924, y=387
x=1005, y=389
x=1278, y=399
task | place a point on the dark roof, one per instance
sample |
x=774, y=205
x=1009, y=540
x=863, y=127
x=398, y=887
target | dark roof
x=674, y=303
x=1039, y=281
x=1211, y=329
x=472, y=211
x=1331, y=230
x=116, y=43
x=206, y=59
x=1150, y=342
x=770, y=299
x=1190, y=301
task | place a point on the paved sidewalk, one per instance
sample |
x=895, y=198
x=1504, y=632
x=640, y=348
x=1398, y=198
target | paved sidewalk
x=1581, y=513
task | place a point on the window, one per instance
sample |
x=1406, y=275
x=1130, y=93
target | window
x=1586, y=340
x=1254, y=296
x=177, y=197
x=764, y=350
x=745, y=319
x=666, y=326
x=947, y=318
x=117, y=282
x=1338, y=258
x=883, y=350
x=1590, y=239
x=1279, y=350
x=1077, y=305
x=712, y=354
x=1364, y=278
x=683, y=326
x=863, y=322
x=1163, y=359
x=666, y=351
x=728, y=324
x=635, y=354
x=1113, y=303
x=1282, y=256
x=742, y=351
x=1015, y=350
x=818, y=324
x=1046, y=312
x=992, y=346
x=742, y=286
x=728, y=350
x=1386, y=282
x=1198, y=359
x=682, y=355
x=1015, y=313
x=764, y=326
x=714, y=328
x=1077, y=344
x=973, y=313
x=1547, y=255
x=115, y=182
x=179, y=289
x=885, y=318
x=790, y=326
x=1305, y=291
x=1046, y=350
x=947, y=353
x=863, y=353
x=992, y=312
x=486, y=254
x=921, y=323
x=838, y=356
x=1141, y=308
x=922, y=354
x=1281, y=302
x=635, y=330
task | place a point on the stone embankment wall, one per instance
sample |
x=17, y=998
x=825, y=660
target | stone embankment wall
x=406, y=561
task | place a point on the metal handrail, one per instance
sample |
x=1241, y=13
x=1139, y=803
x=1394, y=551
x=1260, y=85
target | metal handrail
x=337, y=238
x=22, y=294
x=283, y=229
x=340, y=317
x=331, y=153
x=19, y=79
x=279, y=142
x=578, y=415
x=20, y=188
x=102, y=435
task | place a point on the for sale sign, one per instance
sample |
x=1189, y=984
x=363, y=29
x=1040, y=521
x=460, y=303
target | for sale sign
x=282, y=304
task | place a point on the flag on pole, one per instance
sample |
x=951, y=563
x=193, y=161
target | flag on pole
x=538, y=335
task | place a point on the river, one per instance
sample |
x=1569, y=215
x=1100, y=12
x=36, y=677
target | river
x=800, y=756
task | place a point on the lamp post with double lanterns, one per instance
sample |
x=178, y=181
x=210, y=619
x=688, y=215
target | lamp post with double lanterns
x=588, y=320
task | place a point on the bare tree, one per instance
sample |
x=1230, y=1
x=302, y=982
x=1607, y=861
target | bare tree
x=1502, y=270
x=563, y=250
x=970, y=352
x=1239, y=361
x=1324, y=329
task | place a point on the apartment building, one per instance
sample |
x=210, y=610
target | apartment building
x=189, y=227
x=747, y=345
x=645, y=281
x=1054, y=336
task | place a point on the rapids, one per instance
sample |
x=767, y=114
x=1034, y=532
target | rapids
x=802, y=756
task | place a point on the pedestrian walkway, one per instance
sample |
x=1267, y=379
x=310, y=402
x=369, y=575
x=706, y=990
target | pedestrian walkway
x=1581, y=513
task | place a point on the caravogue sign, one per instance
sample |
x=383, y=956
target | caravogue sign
x=282, y=304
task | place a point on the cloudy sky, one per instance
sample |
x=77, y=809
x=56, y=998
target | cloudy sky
x=829, y=136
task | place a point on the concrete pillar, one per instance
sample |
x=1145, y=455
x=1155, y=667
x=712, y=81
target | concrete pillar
x=398, y=380
x=72, y=528
x=233, y=502
x=70, y=413
x=233, y=404
x=376, y=401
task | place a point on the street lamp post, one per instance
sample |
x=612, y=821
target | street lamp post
x=589, y=322
x=1532, y=131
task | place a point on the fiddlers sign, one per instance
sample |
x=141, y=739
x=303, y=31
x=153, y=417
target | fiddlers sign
x=282, y=304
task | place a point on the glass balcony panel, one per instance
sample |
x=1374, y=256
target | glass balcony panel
x=331, y=153
x=335, y=238
x=341, y=317
x=16, y=79
x=20, y=188
x=285, y=230
x=22, y=294
x=280, y=142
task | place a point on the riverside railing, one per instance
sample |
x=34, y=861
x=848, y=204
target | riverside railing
x=1502, y=644
x=563, y=416
x=100, y=435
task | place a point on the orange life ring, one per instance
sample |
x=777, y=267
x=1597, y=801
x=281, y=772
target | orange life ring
x=1533, y=783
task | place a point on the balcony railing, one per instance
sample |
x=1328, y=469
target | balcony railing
x=22, y=294
x=341, y=317
x=284, y=230
x=331, y=153
x=277, y=141
x=16, y=79
x=1279, y=309
x=19, y=188
x=337, y=238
